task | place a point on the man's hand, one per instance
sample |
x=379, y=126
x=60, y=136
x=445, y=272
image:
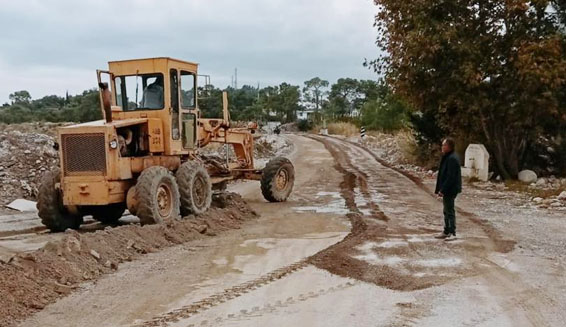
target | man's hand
x=440, y=195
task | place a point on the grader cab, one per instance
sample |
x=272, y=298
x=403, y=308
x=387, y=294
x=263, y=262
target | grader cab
x=145, y=155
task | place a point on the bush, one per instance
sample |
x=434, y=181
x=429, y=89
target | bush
x=304, y=125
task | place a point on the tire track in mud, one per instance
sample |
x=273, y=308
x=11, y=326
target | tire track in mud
x=221, y=297
x=276, y=305
x=32, y=230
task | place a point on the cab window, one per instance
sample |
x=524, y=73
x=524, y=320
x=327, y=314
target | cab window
x=139, y=92
x=188, y=94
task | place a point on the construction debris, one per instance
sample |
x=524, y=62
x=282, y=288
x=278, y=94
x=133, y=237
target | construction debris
x=23, y=205
x=24, y=157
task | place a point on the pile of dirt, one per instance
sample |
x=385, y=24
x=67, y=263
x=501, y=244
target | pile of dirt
x=24, y=157
x=31, y=281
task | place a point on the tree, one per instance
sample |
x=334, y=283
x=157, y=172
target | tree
x=489, y=70
x=384, y=111
x=343, y=97
x=20, y=97
x=210, y=102
x=314, y=92
x=281, y=101
x=289, y=98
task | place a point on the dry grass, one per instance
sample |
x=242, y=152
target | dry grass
x=345, y=129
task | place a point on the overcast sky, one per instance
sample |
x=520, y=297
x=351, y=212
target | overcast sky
x=49, y=47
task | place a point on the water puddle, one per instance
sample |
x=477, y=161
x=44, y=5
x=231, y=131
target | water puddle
x=335, y=205
x=369, y=255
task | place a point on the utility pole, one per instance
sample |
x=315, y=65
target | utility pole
x=236, y=78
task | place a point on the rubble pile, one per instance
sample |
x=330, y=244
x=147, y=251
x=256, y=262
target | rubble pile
x=24, y=158
x=270, y=145
x=388, y=147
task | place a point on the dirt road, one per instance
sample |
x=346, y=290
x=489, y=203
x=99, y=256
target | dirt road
x=354, y=246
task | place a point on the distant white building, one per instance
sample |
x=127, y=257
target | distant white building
x=304, y=114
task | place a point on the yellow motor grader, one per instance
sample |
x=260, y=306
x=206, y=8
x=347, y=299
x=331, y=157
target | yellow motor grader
x=144, y=154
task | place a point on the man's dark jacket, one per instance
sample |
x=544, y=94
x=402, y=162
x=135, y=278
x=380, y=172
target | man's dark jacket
x=449, y=180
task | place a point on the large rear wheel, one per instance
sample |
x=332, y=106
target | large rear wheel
x=277, y=180
x=50, y=205
x=195, y=187
x=157, y=196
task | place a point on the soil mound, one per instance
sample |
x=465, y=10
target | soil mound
x=31, y=281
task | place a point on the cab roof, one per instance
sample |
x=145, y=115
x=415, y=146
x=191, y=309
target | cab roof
x=154, y=58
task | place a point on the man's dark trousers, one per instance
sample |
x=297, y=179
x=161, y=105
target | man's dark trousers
x=449, y=214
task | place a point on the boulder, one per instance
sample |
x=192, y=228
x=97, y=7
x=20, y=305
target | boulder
x=528, y=176
x=562, y=196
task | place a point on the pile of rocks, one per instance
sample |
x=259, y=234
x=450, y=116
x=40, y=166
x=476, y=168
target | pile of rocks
x=388, y=147
x=558, y=201
x=24, y=158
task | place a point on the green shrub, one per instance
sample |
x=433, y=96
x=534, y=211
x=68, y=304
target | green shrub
x=304, y=125
x=387, y=115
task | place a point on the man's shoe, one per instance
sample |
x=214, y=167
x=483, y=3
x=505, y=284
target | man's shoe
x=442, y=236
x=450, y=237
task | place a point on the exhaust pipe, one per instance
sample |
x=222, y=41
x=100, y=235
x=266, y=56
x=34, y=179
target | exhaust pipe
x=106, y=101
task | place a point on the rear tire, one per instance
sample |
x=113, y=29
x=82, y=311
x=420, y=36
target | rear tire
x=157, y=196
x=195, y=188
x=50, y=205
x=108, y=214
x=277, y=180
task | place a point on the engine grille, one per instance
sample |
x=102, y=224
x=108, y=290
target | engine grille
x=84, y=154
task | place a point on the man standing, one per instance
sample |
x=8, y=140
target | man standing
x=448, y=186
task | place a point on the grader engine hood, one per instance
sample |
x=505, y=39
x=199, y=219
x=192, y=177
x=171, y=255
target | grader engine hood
x=87, y=149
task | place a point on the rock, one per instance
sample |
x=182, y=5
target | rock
x=556, y=204
x=562, y=196
x=537, y=200
x=95, y=254
x=27, y=152
x=73, y=244
x=541, y=182
x=202, y=229
x=528, y=176
x=111, y=264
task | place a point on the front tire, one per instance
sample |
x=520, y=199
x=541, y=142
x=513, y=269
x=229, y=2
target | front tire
x=50, y=205
x=277, y=180
x=157, y=196
x=195, y=187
